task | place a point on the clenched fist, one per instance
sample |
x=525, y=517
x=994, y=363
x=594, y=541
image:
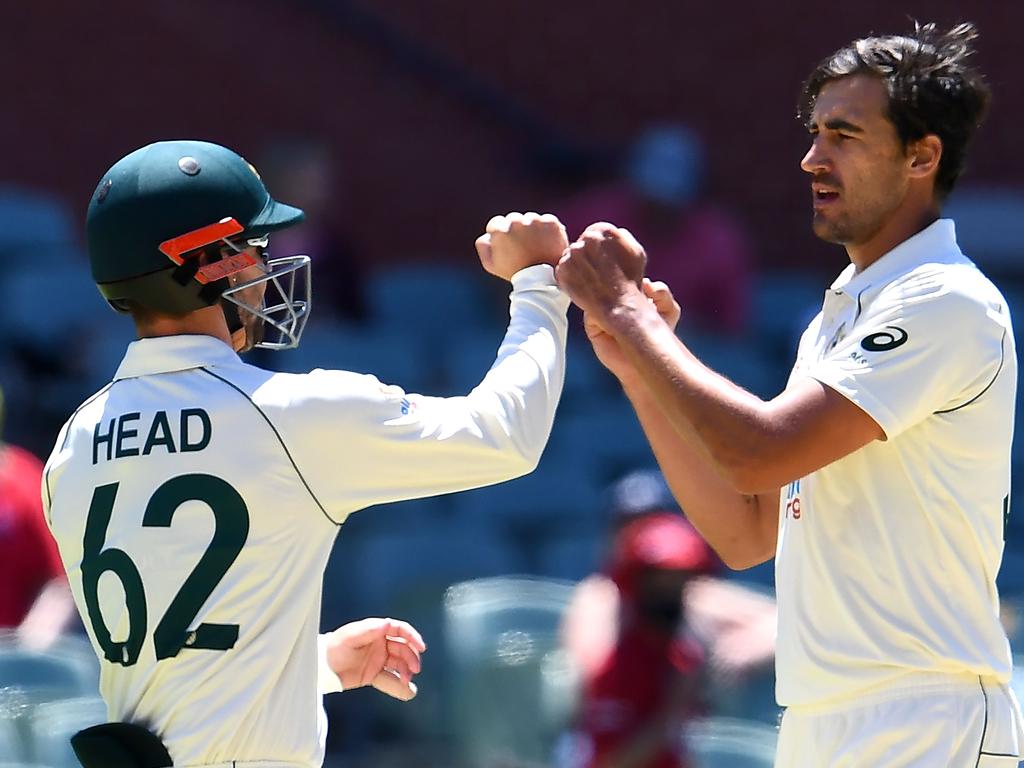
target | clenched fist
x=602, y=269
x=519, y=240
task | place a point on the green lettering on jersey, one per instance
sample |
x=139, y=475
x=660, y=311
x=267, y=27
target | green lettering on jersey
x=204, y=423
x=231, y=519
x=123, y=433
x=159, y=434
x=173, y=633
x=100, y=438
x=95, y=562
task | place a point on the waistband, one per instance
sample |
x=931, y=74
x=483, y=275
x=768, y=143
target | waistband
x=250, y=764
x=911, y=684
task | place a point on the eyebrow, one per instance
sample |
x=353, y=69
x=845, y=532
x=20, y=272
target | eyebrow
x=836, y=124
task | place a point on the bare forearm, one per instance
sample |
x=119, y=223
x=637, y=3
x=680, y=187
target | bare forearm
x=735, y=430
x=741, y=528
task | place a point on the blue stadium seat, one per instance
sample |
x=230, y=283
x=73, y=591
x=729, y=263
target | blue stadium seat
x=35, y=221
x=784, y=301
x=13, y=744
x=44, y=306
x=559, y=494
x=604, y=443
x=429, y=301
x=41, y=676
x=501, y=635
x=572, y=555
x=386, y=568
x=731, y=743
x=54, y=724
x=468, y=355
x=744, y=362
x=989, y=226
x=406, y=574
x=393, y=356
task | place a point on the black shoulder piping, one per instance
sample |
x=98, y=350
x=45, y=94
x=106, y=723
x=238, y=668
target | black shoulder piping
x=1002, y=359
x=279, y=439
x=64, y=444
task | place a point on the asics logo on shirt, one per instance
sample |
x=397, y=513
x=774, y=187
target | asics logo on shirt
x=883, y=341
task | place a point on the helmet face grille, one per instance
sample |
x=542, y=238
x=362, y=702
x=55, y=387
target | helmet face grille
x=286, y=303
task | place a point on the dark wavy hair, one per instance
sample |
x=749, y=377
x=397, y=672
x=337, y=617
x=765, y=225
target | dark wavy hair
x=932, y=88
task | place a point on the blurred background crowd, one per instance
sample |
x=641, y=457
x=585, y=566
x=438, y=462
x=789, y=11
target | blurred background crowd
x=573, y=617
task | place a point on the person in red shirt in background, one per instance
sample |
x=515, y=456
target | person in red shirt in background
x=636, y=703
x=35, y=598
x=699, y=249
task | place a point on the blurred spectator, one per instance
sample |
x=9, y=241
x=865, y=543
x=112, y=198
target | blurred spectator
x=735, y=624
x=35, y=598
x=694, y=246
x=304, y=172
x=636, y=702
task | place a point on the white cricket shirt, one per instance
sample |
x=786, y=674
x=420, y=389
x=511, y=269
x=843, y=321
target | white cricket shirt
x=887, y=558
x=195, y=501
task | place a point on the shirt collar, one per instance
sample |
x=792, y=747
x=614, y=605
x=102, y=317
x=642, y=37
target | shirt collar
x=165, y=354
x=936, y=243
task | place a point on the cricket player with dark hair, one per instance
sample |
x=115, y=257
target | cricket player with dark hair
x=880, y=478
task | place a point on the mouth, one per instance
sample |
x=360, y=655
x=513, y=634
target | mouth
x=823, y=196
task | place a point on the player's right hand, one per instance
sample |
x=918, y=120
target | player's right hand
x=384, y=653
x=518, y=240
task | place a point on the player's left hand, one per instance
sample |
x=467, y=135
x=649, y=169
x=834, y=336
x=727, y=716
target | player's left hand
x=607, y=348
x=384, y=653
x=603, y=270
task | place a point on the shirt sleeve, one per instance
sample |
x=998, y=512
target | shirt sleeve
x=919, y=350
x=359, y=442
x=326, y=680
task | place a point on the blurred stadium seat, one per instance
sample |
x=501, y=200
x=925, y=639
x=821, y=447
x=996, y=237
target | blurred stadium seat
x=560, y=494
x=406, y=574
x=43, y=306
x=571, y=555
x=989, y=227
x=393, y=356
x=468, y=355
x=34, y=221
x=754, y=367
x=784, y=301
x=605, y=442
x=731, y=743
x=13, y=745
x=42, y=676
x=501, y=635
x=54, y=723
x=428, y=302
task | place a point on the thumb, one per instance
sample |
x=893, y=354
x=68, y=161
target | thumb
x=389, y=683
x=483, y=249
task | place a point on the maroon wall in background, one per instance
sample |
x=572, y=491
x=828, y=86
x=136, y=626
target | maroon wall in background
x=84, y=83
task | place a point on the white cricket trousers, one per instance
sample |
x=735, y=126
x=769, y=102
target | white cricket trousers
x=939, y=722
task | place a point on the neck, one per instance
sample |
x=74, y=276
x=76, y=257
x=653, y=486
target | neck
x=895, y=231
x=208, y=321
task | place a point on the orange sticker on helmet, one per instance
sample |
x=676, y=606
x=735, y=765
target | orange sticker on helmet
x=176, y=248
x=226, y=266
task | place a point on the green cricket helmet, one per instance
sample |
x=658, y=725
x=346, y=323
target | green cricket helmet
x=158, y=209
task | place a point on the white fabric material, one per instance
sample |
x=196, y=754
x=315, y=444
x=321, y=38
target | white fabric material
x=952, y=723
x=887, y=558
x=327, y=680
x=302, y=452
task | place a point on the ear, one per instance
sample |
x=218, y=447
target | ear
x=924, y=155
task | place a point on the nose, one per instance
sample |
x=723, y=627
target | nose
x=816, y=160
